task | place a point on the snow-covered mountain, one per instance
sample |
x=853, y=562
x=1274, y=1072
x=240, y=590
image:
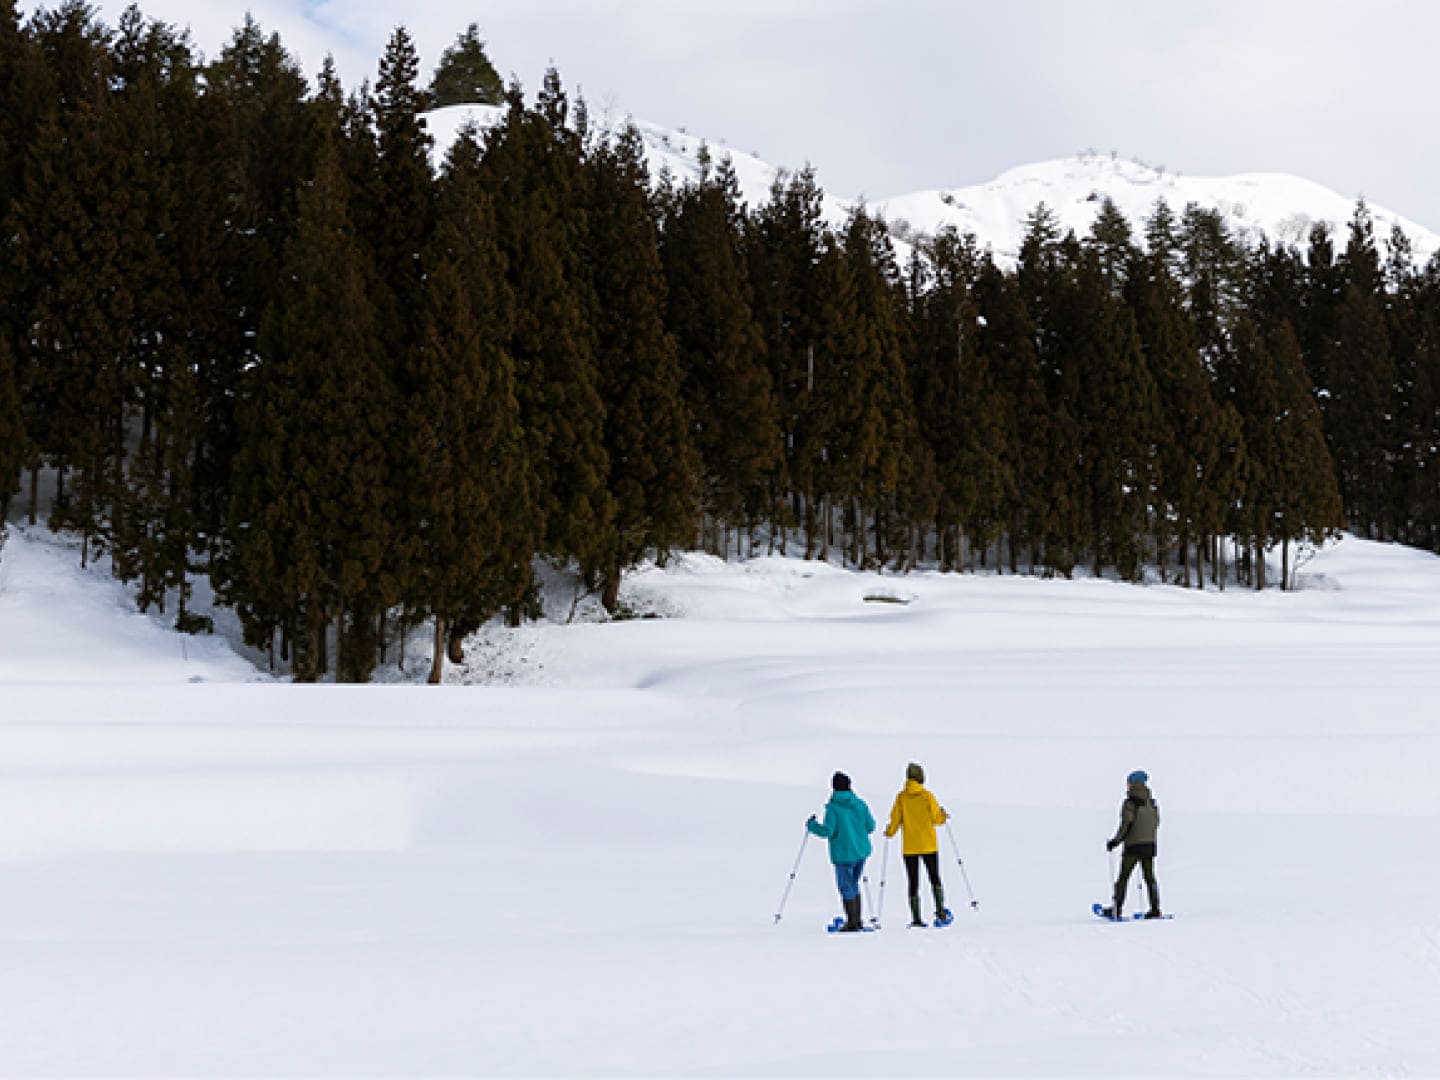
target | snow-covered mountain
x=1276, y=205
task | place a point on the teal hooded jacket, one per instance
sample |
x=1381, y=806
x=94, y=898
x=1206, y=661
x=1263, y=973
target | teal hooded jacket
x=848, y=824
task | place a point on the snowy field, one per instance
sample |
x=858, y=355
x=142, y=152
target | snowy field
x=205, y=872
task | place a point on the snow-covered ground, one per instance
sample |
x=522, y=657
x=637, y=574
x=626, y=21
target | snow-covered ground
x=578, y=873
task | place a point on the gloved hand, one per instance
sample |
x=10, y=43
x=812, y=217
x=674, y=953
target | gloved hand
x=1111, y=845
x=810, y=820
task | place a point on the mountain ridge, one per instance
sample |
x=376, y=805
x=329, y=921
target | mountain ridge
x=1280, y=206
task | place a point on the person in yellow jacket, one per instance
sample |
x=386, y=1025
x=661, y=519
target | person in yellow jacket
x=917, y=812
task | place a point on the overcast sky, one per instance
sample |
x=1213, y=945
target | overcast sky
x=890, y=97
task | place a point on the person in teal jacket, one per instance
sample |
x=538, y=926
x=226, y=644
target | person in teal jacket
x=848, y=824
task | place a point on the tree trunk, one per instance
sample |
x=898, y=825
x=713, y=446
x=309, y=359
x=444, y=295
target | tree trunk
x=437, y=665
x=34, y=494
x=456, y=648
x=610, y=592
x=341, y=675
x=1285, y=564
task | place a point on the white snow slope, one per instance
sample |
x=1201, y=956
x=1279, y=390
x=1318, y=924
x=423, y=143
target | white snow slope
x=1255, y=205
x=578, y=874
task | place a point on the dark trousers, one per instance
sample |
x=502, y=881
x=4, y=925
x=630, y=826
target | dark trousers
x=912, y=871
x=1128, y=862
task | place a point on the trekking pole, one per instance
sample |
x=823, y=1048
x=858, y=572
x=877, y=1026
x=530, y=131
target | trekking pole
x=963, y=876
x=869, y=902
x=793, y=871
x=884, y=866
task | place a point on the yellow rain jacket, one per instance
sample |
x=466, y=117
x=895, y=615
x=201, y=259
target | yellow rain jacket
x=917, y=812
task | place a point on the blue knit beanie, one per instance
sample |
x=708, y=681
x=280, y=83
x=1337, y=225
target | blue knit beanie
x=1139, y=776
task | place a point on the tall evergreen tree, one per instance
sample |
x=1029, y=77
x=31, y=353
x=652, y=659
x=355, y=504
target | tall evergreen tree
x=388, y=162
x=1113, y=242
x=315, y=505
x=1063, y=325
x=401, y=219
x=535, y=160
x=1424, y=506
x=1289, y=492
x=959, y=407
x=783, y=240
x=1188, y=428
x=252, y=144
x=1324, y=284
x=471, y=494
x=1162, y=237
x=155, y=522
x=1008, y=342
x=722, y=351
x=882, y=464
x=465, y=75
x=78, y=302
x=1104, y=379
x=20, y=105
x=1306, y=498
x=1362, y=383
x=13, y=441
x=654, y=467
x=1213, y=269
x=1409, y=445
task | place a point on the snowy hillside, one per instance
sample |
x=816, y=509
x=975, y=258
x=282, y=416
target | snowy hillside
x=579, y=874
x=665, y=149
x=1254, y=205
x=1272, y=204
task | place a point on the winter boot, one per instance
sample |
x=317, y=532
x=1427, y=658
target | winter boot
x=942, y=913
x=1154, y=913
x=915, y=919
x=852, y=916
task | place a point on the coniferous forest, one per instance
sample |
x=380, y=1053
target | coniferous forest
x=247, y=331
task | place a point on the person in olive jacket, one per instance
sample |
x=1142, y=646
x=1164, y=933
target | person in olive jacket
x=848, y=824
x=917, y=813
x=1139, y=826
